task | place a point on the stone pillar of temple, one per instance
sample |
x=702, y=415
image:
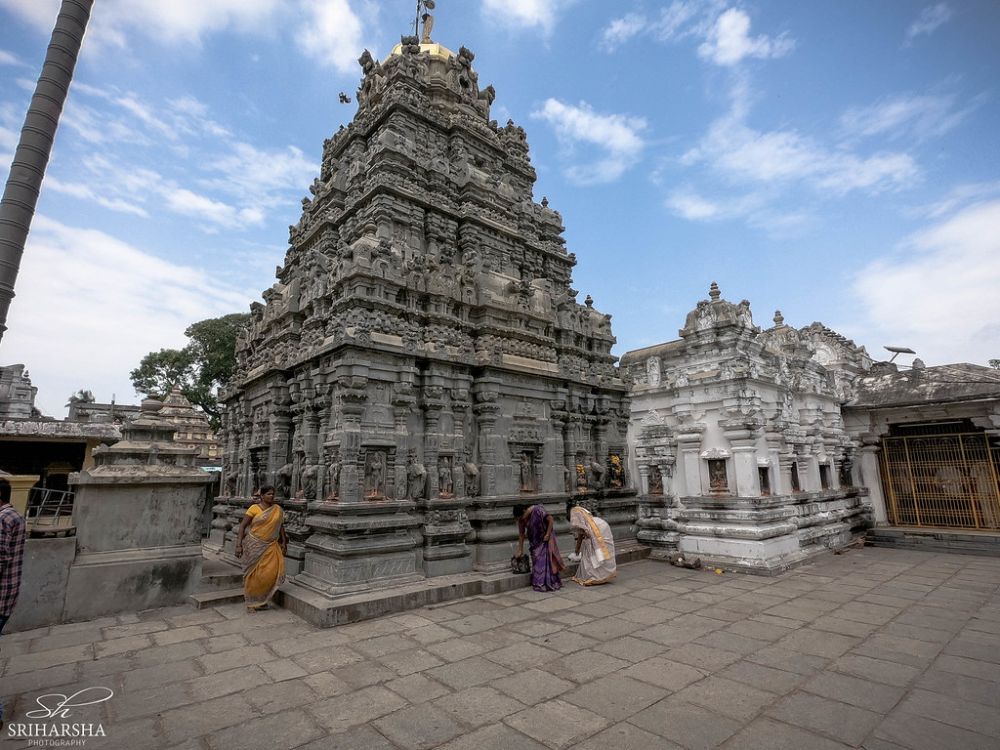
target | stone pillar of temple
x=871, y=475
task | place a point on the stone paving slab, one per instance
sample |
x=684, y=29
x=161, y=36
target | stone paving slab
x=877, y=648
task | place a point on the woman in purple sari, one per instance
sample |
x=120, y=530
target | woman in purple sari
x=546, y=562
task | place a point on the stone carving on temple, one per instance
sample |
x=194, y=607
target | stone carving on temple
x=616, y=472
x=655, y=481
x=446, y=483
x=283, y=480
x=416, y=479
x=375, y=470
x=310, y=476
x=526, y=468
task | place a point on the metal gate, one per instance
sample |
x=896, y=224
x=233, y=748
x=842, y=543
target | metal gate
x=948, y=480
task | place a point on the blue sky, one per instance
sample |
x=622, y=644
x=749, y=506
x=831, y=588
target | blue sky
x=837, y=160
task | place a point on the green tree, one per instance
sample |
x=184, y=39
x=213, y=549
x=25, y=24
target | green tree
x=995, y=364
x=199, y=369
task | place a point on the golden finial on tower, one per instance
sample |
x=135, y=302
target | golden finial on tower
x=423, y=6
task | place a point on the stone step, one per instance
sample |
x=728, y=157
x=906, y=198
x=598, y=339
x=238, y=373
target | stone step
x=205, y=599
x=219, y=581
x=955, y=541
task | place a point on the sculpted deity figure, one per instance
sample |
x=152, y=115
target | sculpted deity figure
x=597, y=472
x=416, y=478
x=283, y=480
x=310, y=475
x=333, y=477
x=581, y=476
x=471, y=479
x=616, y=475
x=446, y=486
x=375, y=475
x=527, y=468
x=655, y=481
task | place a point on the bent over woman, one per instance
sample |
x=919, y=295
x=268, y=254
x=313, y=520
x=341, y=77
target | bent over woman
x=262, y=550
x=595, y=546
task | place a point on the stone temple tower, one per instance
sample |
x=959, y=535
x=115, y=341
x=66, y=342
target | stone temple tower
x=422, y=364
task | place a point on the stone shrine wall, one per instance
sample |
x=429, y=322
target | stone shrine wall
x=738, y=440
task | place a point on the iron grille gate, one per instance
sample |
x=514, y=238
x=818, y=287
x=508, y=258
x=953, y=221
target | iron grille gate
x=942, y=480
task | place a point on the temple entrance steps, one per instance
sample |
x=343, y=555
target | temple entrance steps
x=956, y=541
x=221, y=583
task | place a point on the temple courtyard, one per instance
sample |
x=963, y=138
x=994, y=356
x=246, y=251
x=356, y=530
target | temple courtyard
x=874, y=648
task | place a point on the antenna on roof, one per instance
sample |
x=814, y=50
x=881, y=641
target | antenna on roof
x=897, y=350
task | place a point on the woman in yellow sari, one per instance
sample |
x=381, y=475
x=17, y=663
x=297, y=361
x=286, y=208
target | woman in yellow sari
x=595, y=548
x=262, y=550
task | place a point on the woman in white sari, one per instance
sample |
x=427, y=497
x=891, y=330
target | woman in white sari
x=595, y=548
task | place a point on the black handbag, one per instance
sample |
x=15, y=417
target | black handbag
x=520, y=564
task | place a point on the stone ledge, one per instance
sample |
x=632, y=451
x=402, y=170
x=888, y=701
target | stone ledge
x=326, y=612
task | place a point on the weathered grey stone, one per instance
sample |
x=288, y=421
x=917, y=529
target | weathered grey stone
x=690, y=726
x=845, y=723
x=493, y=737
x=557, y=724
x=773, y=735
x=615, y=697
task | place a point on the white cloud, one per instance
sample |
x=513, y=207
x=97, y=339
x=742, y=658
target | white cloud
x=87, y=298
x=209, y=175
x=262, y=176
x=171, y=22
x=9, y=58
x=928, y=21
x=740, y=153
x=958, y=196
x=689, y=205
x=919, y=115
x=541, y=14
x=938, y=293
x=331, y=33
x=87, y=193
x=681, y=19
x=617, y=136
x=620, y=30
x=729, y=41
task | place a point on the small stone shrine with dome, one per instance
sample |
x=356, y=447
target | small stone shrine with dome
x=422, y=364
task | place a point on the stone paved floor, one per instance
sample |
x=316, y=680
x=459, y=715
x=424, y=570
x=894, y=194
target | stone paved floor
x=880, y=649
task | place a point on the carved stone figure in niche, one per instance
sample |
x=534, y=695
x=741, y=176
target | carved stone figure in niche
x=283, y=480
x=718, y=479
x=231, y=485
x=310, y=475
x=655, y=481
x=446, y=486
x=416, y=479
x=333, y=477
x=845, y=474
x=581, y=476
x=471, y=479
x=616, y=474
x=527, y=468
x=375, y=475
x=597, y=472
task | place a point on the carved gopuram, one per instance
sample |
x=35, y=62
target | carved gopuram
x=739, y=440
x=422, y=364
